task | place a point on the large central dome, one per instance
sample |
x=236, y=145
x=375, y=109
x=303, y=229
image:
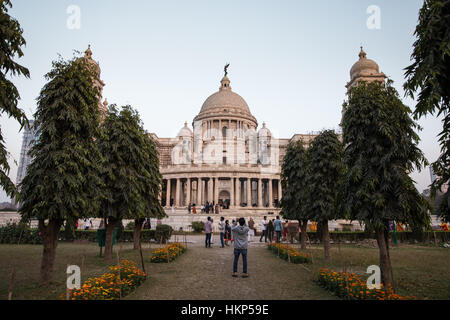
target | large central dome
x=225, y=103
x=225, y=99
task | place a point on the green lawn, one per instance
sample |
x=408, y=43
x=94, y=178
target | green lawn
x=418, y=270
x=422, y=271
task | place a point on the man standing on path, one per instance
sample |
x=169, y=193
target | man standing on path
x=208, y=230
x=251, y=233
x=278, y=226
x=222, y=231
x=240, y=235
x=270, y=230
x=263, y=227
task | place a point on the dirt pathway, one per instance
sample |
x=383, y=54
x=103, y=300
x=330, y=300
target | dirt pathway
x=202, y=273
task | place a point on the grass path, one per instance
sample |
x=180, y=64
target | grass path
x=202, y=273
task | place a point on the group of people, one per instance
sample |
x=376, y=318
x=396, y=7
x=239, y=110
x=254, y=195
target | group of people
x=269, y=228
x=237, y=233
x=208, y=208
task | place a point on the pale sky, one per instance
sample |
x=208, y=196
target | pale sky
x=290, y=60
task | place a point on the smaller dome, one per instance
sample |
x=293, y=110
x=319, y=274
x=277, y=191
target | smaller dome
x=364, y=67
x=88, y=57
x=185, y=131
x=264, y=132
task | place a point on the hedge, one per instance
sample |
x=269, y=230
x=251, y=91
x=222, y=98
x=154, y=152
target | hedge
x=402, y=236
x=21, y=233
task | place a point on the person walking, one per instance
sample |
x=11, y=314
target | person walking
x=207, y=207
x=227, y=232
x=270, y=230
x=212, y=231
x=285, y=230
x=189, y=208
x=194, y=209
x=263, y=227
x=216, y=209
x=222, y=231
x=251, y=232
x=208, y=230
x=278, y=227
x=240, y=235
x=87, y=224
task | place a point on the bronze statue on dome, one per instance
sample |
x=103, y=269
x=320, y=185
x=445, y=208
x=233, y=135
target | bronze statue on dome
x=226, y=69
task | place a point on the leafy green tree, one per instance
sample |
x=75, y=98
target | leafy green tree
x=130, y=173
x=151, y=181
x=11, y=41
x=324, y=180
x=381, y=149
x=295, y=188
x=430, y=75
x=62, y=181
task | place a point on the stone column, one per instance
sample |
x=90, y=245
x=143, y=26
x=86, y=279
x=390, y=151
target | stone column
x=168, y=195
x=188, y=192
x=210, y=190
x=279, y=190
x=199, y=192
x=249, y=192
x=232, y=193
x=216, y=190
x=238, y=192
x=177, y=194
x=260, y=193
x=270, y=194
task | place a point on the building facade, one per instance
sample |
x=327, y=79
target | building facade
x=224, y=159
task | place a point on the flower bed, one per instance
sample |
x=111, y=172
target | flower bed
x=349, y=286
x=108, y=286
x=160, y=255
x=289, y=253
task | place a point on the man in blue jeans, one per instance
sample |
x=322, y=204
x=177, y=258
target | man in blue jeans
x=240, y=235
x=208, y=231
x=278, y=227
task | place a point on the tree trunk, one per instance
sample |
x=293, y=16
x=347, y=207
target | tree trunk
x=137, y=232
x=325, y=240
x=303, y=227
x=109, y=238
x=50, y=234
x=385, y=261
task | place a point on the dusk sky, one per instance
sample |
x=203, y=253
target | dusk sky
x=290, y=60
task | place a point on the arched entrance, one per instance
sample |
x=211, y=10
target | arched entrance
x=224, y=199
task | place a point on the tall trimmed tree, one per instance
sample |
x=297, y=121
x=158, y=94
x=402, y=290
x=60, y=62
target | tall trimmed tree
x=62, y=181
x=295, y=188
x=11, y=42
x=130, y=173
x=381, y=149
x=151, y=180
x=324, y=179
x=429, y=75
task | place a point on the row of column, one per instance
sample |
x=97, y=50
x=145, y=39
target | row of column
x=202, y=190
x=227, y=123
